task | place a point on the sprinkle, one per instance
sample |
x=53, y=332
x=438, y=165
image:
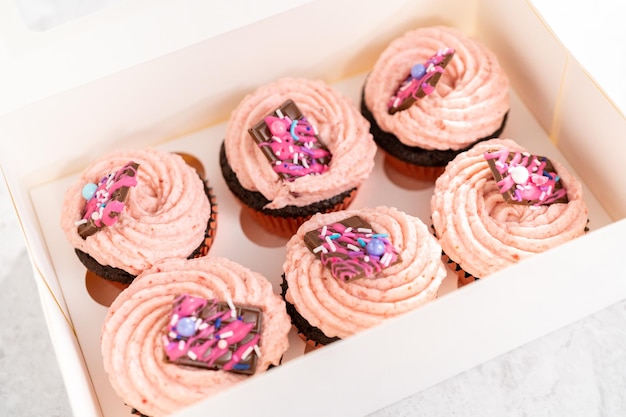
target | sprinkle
x=386, y=259
x=295, y=158
x=335, y=236
x=218, y=323
x=257, y=350
x=348, y=230
x=277, y=139
x=331, y=245
x=364, y=230
x=192, y=355
x=381, y=235
x=318, y=249
x=324, y=230
x=203, y=326
x=366, y=258
x=280, y=114
x=353, y=247
x=361, y=241
x=525, y=154
x=247, y=353
x=233, y=310
x=181, y=345
x=79, y=222
x=542, y=196
x=315, y=129
x=174, y=319
x=241, y=366
x=172, y=335
x=305, y=163
x=225, y=335
x=222, y=344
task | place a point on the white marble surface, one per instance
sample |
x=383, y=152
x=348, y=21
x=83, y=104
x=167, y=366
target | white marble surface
x=579, y=370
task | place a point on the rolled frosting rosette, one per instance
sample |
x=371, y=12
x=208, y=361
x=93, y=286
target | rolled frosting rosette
x=481, y=232
x=339, y=126
x=133, y=333
x=165, y=214
x=340, y=309
x=470, y=100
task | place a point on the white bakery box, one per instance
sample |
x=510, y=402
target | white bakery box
x=167, y=73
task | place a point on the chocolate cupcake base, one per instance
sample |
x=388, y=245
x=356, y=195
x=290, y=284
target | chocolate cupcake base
x=123, y=277
x=283, y=221
x=412, y=160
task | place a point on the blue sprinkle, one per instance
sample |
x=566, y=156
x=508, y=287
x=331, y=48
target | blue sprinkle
x=361, y=242
x=381, y=235
x=218, y=323
x=335, y=236
x=241, y=366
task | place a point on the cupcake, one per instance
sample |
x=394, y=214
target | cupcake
x=129, y=209
x=350, y=270
x=187, y=329
x=293, y=148
x=433, y=93
x=496, y=204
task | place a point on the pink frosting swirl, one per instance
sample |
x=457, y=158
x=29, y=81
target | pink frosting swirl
x=132, y=334
x=169, y=198
x=470, y=99
x=483, y=233
x=341, y=128
x=341, y=309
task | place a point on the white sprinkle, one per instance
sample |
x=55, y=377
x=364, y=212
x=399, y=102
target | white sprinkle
x=257, y=350
x=364, y=230
x=305, y=163
x=192, y=355
x=233, y=310
x=542, y=196
x=174, y=319
x=525, y=154
x=226, y=335
x=277, y=153
x=181, y=345
x=353, y=247
x=172, y=335
x=222, y=344
x=295, y=158
x=198, y=323
x=314, y=129
x=324, y=230
x=203, y=326
x=386, y=259
x=331, y=245
x=278, y=162
x=348, y=230
x=318, y=249
x=79, y=222
x=308, y=145
x=247, y=353
x=366, y=258
x=277, y=139
x=279, y=114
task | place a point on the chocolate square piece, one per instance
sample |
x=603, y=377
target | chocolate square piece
x=213, y=335
x=526, y=179
x=105, y=200
x=290, y=143
x=421, y=82
x=351, y=249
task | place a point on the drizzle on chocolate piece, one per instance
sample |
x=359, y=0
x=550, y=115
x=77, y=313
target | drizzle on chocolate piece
x=105, y=200
x=213, y=335
x=351, y=249
x=526, y=179
x=291, y=143
x=421, y=81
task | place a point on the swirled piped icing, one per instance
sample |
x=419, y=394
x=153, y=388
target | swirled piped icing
x=132, y=342
x=165, y=213
x=344, y=131
x=483, y=233
x=470, y=99
x=341, y=309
